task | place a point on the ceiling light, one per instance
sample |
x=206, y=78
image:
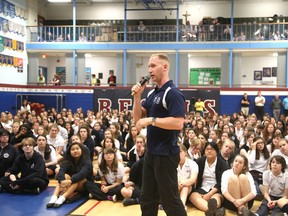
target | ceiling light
x=59, y=1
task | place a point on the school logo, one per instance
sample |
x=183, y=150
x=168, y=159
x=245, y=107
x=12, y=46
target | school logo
x=6, y=155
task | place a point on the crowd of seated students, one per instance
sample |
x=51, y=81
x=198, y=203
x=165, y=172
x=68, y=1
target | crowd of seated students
x=226, y=162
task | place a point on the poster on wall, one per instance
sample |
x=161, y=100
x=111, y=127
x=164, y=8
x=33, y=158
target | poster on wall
x=267, y=71
x=257, y=75
x=205, y=76
x=61, y=72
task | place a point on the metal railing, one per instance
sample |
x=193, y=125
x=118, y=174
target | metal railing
x=160, y=33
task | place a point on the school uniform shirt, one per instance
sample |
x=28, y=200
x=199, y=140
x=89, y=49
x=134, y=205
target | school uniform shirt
x=227, y=175
x=188, y=167
x=56, y=142
x=7, y=156
x=277, y=184
x=220, y=167
x=260, y=165
x=111, y=177
x=52, y=157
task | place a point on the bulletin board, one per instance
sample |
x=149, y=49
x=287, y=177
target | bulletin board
x=205, y=76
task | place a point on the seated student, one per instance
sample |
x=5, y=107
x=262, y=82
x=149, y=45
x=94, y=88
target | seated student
x=207, y=195
x=190, y=136
x=111, y=172
x=275, y=182
x=56, y=140
x=137, y=151
x=258, y=157
x=227, y=151
x=237, y=186
x=48, y=153
x=131, y=191
x=31, y=167
x=108, y=142
x=86, y=139
x=187, y=172
x=23, y=132
x=75, y=169
x=283, y=150
x=195, y=149
x=7, y=152
x=246, y=147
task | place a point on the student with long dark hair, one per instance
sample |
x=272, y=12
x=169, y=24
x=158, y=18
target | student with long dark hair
x=48, y=153
x=75, y=169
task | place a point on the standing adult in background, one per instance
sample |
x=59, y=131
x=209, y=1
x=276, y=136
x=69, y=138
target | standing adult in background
x=41, y=79
x=163, y=122
x=245, y=102
x=56, y=80
x=111, y=79
x=259, y=106
x=276, y=104
x=199, y=106
x=285, y=104
x=94, y=81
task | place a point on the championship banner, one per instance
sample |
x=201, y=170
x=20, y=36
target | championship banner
x=107, y=99
x=11, y=10
x=6, y=8
x=1, y=6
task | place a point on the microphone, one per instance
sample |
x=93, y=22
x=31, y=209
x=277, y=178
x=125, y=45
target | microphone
x=143, y=81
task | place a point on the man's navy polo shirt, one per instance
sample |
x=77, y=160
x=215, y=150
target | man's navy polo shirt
x=161, y=141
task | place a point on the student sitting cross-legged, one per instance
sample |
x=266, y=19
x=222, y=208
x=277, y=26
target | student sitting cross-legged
x=238, y=187
x=207, y=195
x=275, y=182
x=75, y=169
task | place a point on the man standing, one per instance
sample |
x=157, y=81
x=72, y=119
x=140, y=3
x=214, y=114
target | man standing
x=163, y=114
x=112, y=78
x=259, y=106
x=285, y=104
x=276, y=104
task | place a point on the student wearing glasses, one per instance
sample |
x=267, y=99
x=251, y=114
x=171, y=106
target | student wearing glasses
x=31, y=167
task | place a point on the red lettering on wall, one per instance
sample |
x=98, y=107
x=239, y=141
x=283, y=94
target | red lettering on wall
x=208, y=106
x=104, y=104
x=124, y=104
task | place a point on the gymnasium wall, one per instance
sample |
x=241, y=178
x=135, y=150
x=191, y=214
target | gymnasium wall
x=224, y=101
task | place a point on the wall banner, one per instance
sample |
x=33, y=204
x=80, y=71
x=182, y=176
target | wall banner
x=106, y=99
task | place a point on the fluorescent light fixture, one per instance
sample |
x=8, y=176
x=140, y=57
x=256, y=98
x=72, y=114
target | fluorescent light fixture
x=59, y=1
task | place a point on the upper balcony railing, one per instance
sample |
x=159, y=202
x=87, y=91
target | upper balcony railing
x=160, y=33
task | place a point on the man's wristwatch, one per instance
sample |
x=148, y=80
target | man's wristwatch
x=153, y=121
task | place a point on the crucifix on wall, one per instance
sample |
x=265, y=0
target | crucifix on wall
x=186, y=16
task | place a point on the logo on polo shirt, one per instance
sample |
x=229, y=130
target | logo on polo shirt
x=157, y=100
x=6, y=155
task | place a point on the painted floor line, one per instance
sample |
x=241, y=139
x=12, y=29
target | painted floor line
x=92, y=207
